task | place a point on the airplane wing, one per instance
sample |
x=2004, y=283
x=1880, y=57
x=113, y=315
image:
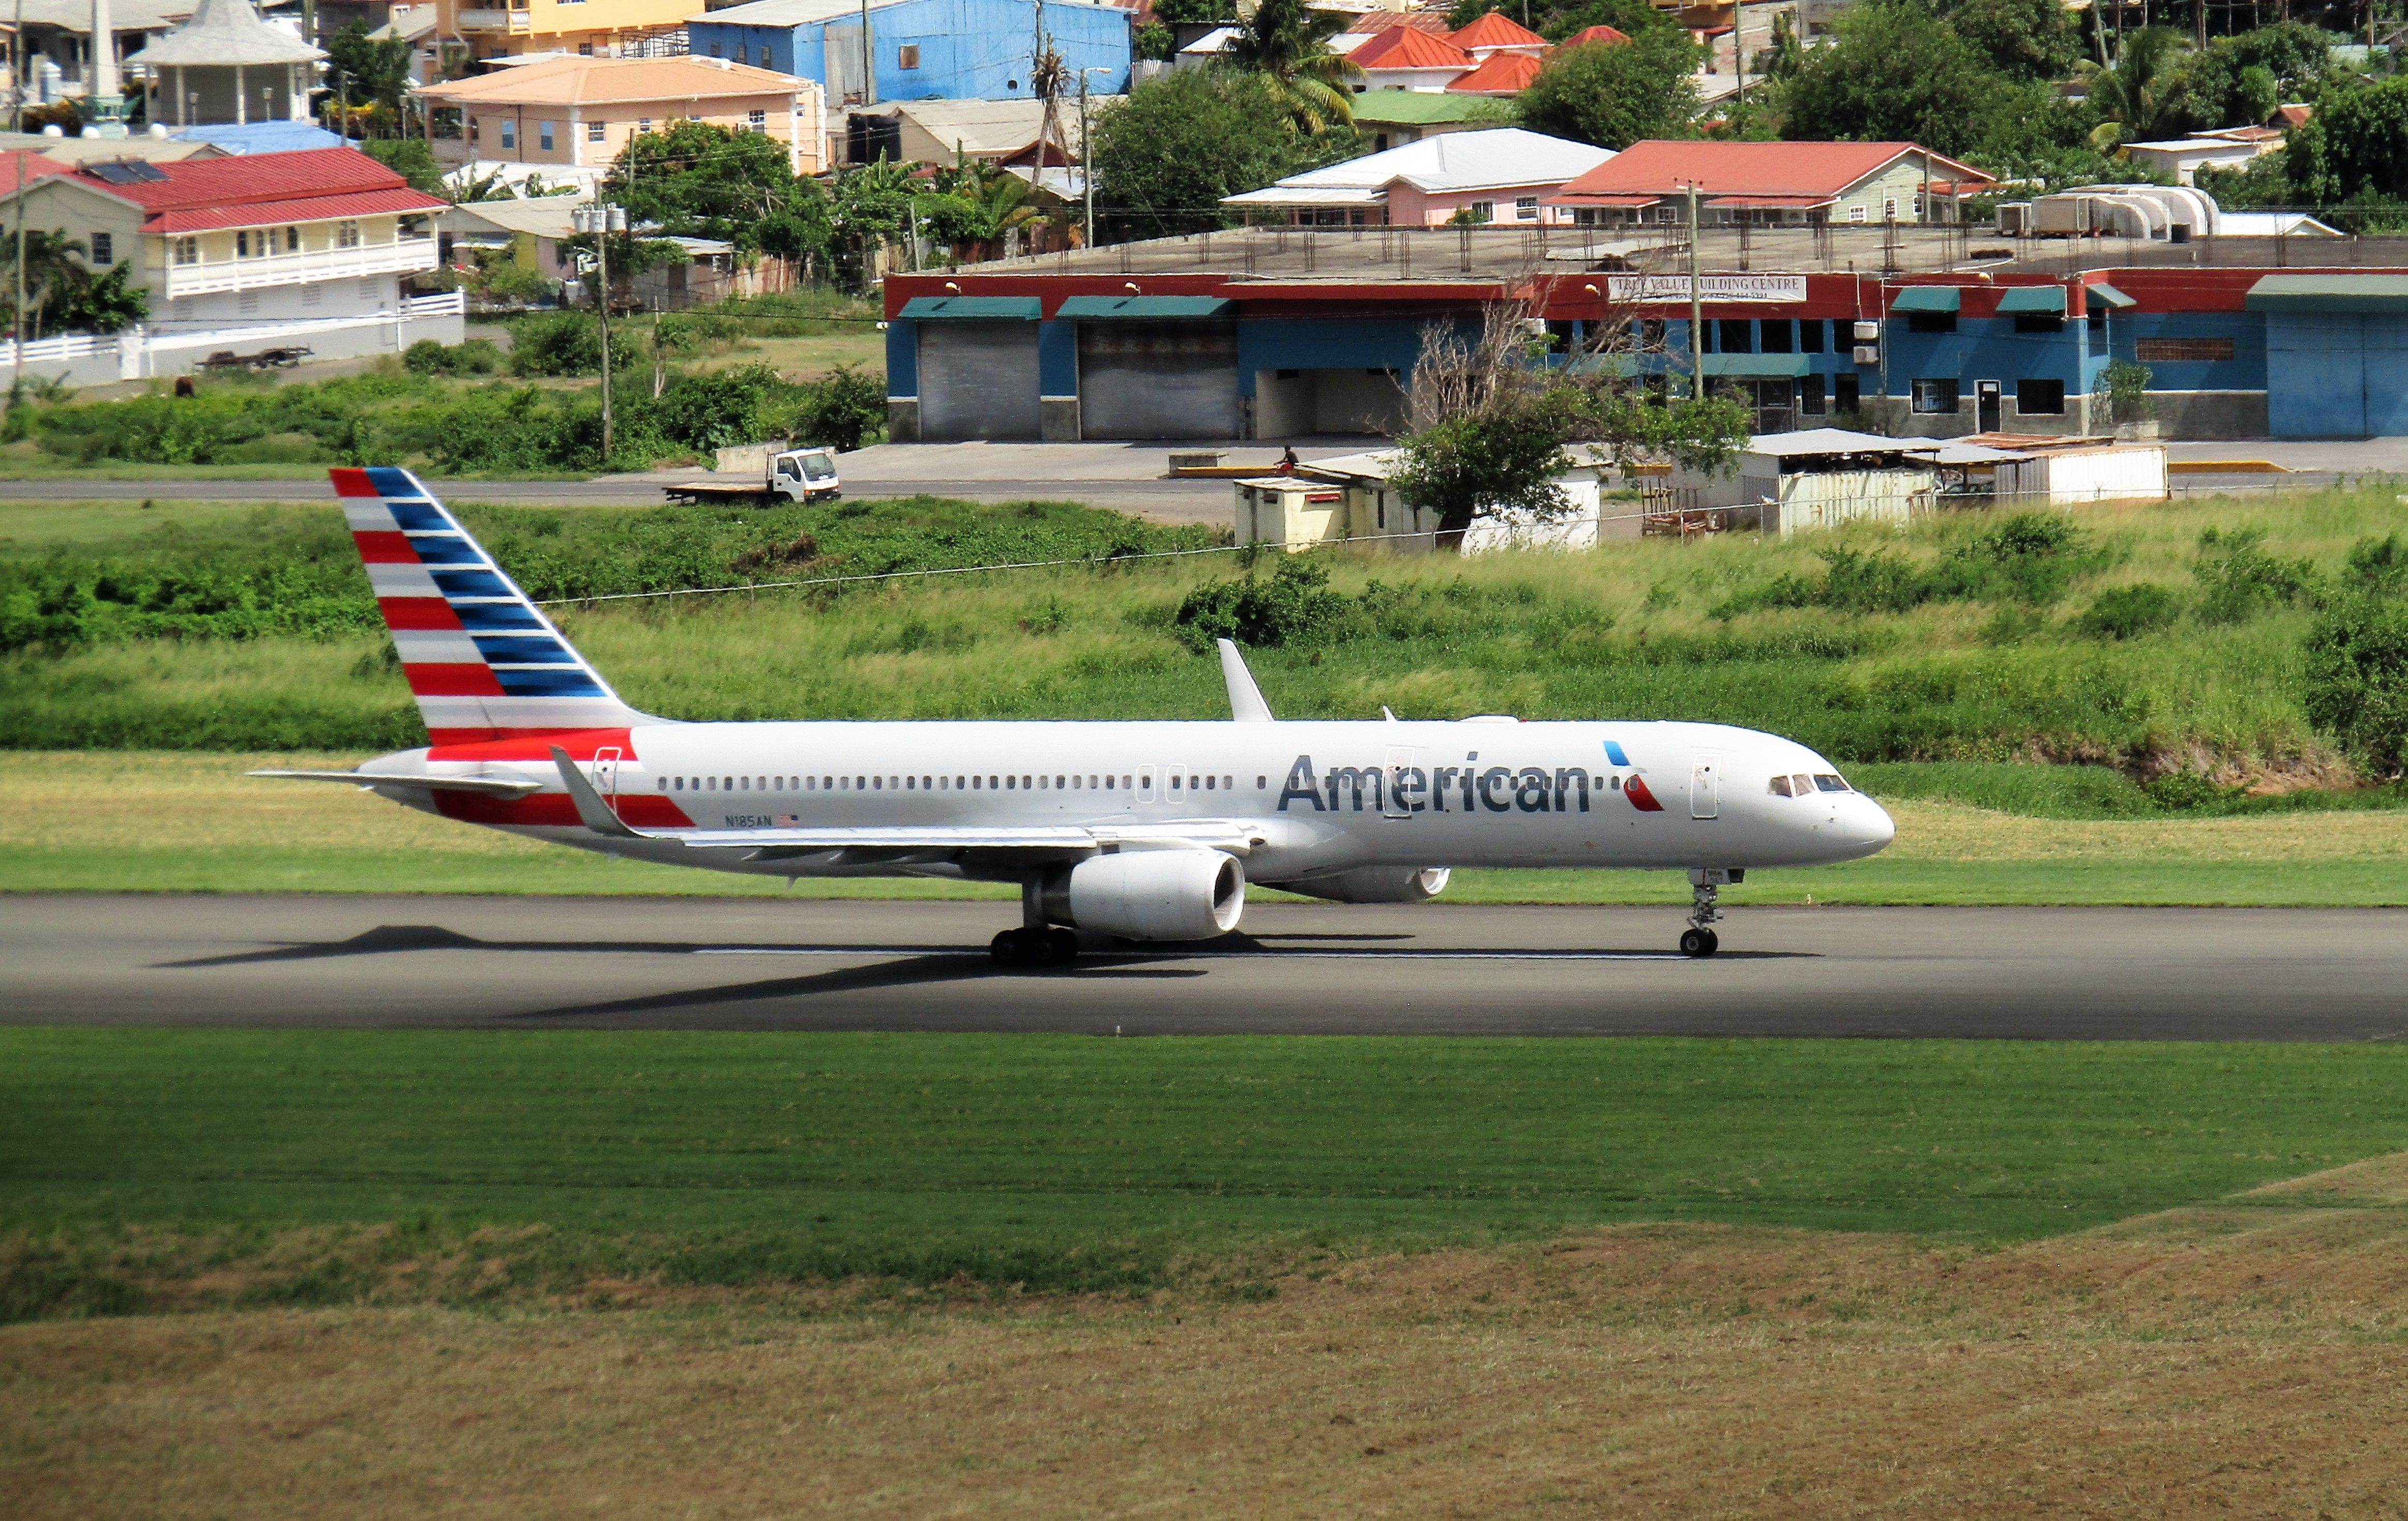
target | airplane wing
x=1231, y=834
x=485, y=786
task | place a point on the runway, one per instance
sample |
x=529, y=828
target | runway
x=531, y=963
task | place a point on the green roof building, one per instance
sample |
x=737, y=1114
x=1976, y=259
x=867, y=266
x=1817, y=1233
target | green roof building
x=1393, y=117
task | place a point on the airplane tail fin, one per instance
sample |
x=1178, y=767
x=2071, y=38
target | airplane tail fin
x=482, y=658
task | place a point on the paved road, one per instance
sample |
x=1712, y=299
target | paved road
x=753, y=964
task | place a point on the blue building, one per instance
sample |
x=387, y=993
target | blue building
x=919, y=50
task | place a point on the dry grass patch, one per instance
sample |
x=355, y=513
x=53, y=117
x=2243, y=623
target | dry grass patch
x=2246, y=1357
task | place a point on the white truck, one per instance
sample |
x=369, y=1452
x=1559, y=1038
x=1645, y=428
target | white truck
x=794, y=475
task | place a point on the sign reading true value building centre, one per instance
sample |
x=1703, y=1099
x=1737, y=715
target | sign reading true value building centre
x=1633, y=289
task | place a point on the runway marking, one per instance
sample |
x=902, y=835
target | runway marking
x=1217, y=956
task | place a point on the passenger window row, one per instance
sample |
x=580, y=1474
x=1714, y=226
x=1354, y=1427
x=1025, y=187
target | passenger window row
x=1062, y=782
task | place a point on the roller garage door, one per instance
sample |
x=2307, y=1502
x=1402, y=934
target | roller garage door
x=1158, y=380
x=2336, y=353
x=977, y=379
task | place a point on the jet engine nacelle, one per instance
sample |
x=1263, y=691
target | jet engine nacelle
x=1375, y=884
x=1169, y=894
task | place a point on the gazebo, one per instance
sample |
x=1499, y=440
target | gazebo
x=226, y=65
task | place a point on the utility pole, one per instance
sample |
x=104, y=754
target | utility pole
x=17, y=120
x=1697, y=305
x=602, y=220
x=1086, y=176
x=869, y=78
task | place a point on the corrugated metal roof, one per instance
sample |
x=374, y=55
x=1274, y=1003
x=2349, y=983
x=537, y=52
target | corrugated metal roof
x=300, y=209
x=254, y=178
x=1493, y=29
x=1587, y=35
x=1501, y=74
x=1408, y=47
x=1095, y=308
x=1661, y=168
x=926, y=308
x=2329, y=292
x=1837, y=441
x=1927, y=298
x=1769, y=203
x=1488, y=158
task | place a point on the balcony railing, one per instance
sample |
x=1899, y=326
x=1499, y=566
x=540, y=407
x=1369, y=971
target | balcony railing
x=403, y=256
x=492, y=18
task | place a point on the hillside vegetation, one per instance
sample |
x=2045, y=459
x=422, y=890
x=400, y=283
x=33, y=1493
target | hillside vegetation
x=2170, y=641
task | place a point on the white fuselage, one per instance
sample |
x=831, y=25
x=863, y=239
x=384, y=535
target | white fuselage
x=1313, y=798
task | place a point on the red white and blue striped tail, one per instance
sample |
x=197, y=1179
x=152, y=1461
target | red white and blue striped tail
x=482, y=660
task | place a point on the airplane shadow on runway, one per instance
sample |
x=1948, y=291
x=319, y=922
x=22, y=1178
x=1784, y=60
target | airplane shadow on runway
x=912, y=972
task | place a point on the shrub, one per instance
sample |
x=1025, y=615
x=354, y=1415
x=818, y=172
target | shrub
x=556, y=344
x=2238, y=580
x=2186, y=789
x=843, y=409
x=2357, y=681
x=2123, y=612
x=478, y=356
x=1293, y=606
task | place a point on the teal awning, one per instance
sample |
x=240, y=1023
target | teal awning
x=2329, y=292
x=1757, y=366
x=1159, y=308
x=2032, y=301
x=927, y=309
x=2107, y=296
x=1927, y=298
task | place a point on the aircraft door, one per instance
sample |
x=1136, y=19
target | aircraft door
x=1145, y=783
x=606, y=775
x=1400, y=764
x=1705, y=787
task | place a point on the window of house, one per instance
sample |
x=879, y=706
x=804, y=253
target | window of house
x=1935, y=396
x=596, y=132
x=1482, y=210
x=347, y=234
x=1810, y=336
x=757, y=121
x=1779, y=335
x=644, y=125
x=2033, y=322
x=103, y=249
x=187, y=250
x=246, y=304
x=1668, y=213
x=1526, y=209
x=509, y=133
x=1706, y=331
x=2040, y=399
x=242, y=243
x=908, y=56
x=714, y=50
x=1932, y=322
x=1810, y=394
x=543, y=136
x=1845, y=396
x=2182, y=350
x=367, y=293
x=1855, y=213
x=1737, y=336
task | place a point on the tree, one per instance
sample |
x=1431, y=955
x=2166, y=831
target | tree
x=1613, y=95
x=2024, y=40
x=1164, y=157
x=1556, y=20
x=408, y=157
x=55, y=275
x=1287, y=43
x=1153, y=42
x=2132, y=96
x=700, y=180
x=1493, y=419
x=106, y=305
x=1894, y=73
x=367, y=72
x=2355, y=145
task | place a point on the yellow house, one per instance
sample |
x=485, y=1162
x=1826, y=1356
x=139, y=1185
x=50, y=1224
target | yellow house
x=569, y=118
x=593, y=28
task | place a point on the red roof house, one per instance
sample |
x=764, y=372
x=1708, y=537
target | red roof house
x=1495, y=32
x=1587, y=35
x=1499, y=73
x=1407, y=57
x=1776, y=182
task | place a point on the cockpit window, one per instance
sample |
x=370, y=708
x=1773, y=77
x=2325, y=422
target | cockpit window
x=1825, y=782
x=1781, y=786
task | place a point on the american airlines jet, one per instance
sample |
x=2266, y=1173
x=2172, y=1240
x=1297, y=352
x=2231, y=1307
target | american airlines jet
x=1146, y=831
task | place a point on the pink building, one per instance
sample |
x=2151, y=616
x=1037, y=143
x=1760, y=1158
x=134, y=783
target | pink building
x=1502, y=175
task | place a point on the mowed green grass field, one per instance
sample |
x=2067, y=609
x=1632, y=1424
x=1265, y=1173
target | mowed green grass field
x=182, y=1167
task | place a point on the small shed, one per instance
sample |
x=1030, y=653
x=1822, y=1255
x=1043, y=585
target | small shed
x=1292, y=511
x=2056, y=470
x=1349, y=497
x=1817, y=477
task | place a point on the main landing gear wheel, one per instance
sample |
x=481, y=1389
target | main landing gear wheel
x=1698, y=943
x=1034, y=946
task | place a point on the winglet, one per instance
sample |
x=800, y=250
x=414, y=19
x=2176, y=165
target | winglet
x=594, y=813
x=1246, y=704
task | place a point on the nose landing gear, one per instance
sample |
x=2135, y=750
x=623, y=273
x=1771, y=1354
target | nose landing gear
x=1700, y=939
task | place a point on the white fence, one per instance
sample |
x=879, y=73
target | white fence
x=138, y=353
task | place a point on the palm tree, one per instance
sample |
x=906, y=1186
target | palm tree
x=1288, y=45
x=55, y=272
x=2131, y=95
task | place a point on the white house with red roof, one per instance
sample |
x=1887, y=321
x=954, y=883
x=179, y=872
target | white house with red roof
x=304, y=250
x=1771, y=183
x=1501, y=174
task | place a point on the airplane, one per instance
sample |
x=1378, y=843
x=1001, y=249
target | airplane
x=1144, y=831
